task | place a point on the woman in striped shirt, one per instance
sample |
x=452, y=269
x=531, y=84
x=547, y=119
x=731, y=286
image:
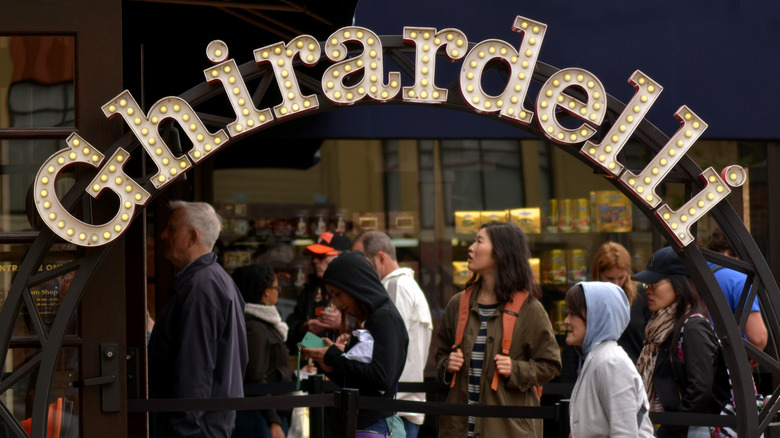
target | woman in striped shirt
x=498, y=260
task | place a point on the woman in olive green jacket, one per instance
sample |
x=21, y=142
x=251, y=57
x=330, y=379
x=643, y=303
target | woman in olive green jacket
x=498, y=260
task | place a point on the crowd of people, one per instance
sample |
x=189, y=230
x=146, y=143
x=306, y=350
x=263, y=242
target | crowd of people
x=636, y=342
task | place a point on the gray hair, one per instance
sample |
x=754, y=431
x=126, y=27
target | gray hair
x=202, y=217
x=375, y=241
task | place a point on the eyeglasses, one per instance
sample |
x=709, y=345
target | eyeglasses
x=278, y=288
x=654, y=285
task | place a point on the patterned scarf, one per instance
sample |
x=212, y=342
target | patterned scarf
x=658, y=329
x=268, y=314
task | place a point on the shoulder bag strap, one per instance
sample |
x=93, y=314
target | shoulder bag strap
x=509, y=318
x=463, y=318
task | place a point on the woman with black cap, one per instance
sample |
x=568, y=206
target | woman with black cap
x=373, y=357
x=681, y=363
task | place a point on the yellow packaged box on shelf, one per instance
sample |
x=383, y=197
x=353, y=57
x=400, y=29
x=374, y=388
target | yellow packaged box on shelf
x=494, y=216
x=535, y=267
x=467, y=222
x=577, y=267
x=580, y=215
x=554, y=268
x=611, y=211
x=460, y=273
x=527, y=219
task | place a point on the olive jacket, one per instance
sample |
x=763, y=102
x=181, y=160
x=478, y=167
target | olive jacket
x=536, y=360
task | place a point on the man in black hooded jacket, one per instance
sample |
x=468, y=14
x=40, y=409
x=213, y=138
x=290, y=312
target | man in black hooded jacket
x=372, y=369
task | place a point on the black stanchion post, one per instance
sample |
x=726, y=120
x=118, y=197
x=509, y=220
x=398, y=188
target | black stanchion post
x=347, y=400
x=562, y=411
x=558, y=419
x=316, y=415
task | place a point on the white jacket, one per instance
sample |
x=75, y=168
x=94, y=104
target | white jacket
x=413, y=307
x=609, y=398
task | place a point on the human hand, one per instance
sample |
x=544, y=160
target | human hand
x=318, y=355
x=330, y=319
x=503, y=365
x=342, y=340
x=314, y=325
x=455, y=362
x=276, y=431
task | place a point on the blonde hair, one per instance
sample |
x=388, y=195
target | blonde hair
x=614, y=255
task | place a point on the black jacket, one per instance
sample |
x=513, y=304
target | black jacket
x=633, y=337
x=352, y=273
x=698, y=382
x=269, y=360
x=198, y=347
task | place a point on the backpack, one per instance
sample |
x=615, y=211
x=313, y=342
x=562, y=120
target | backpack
x=509, y=318
x=722, y=376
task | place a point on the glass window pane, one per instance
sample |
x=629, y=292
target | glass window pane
x=37, y=76
x=19, y=163
x=47, y=295
x=64, y=397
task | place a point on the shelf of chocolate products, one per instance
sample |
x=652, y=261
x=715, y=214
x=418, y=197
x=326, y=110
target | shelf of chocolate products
x=278, y=234
x=562, y=236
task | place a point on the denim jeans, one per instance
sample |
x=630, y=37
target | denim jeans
x=382, y=427
x=698, y=432
x=252, y=424
x=411, y=429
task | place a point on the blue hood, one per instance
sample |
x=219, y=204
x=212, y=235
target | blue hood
x=607, y=314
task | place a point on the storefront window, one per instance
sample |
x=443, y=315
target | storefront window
x=46, y=295
x=37, y=76
x=431, y=197
x=19, y=163
x=64, y=396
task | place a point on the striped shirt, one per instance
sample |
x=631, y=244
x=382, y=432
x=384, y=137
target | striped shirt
x=477, y=357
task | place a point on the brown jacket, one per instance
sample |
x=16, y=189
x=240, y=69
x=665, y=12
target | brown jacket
x=536, y=360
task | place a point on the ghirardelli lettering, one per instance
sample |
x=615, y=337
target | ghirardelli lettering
x=575, y=91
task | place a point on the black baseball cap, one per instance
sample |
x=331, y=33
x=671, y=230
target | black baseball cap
x=663, y=263
x=329, y=243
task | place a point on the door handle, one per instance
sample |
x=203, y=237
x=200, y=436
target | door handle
x=109, y=370
x=103, y=380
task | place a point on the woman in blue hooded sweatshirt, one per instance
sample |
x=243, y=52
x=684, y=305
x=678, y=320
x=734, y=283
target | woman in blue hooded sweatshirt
x=609, y=397
x=373, y=357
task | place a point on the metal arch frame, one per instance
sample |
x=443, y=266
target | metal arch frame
x=750, y=422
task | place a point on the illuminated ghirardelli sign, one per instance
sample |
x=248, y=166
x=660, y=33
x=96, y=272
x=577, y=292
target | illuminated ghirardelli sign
x=552, y=97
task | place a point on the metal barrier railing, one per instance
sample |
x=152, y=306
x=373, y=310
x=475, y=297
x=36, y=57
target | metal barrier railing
x=323, y=394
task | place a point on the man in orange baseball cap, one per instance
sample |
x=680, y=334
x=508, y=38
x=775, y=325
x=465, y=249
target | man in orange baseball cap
x=312, y=312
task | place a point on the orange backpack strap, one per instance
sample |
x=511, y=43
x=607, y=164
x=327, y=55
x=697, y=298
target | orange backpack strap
x=463, y=318
x=511, y=310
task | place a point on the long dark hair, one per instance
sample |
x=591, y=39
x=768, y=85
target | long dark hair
x=688, y=302
x=253, y=280
x=513, y=270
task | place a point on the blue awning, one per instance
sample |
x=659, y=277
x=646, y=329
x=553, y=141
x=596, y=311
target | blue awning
x=720, y=58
